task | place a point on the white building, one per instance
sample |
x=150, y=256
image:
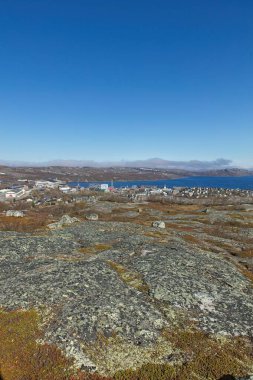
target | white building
x=65, y=189
x=47, y=184
x=15, y=193
x=104, y=187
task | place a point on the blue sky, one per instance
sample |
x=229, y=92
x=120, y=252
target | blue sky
x=126, y=79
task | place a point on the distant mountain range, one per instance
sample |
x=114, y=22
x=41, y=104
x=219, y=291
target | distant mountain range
x=152, y=169
x=153, y=163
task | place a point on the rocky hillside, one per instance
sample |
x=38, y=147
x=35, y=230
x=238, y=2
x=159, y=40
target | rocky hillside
x=119, y=295
x=90, y=174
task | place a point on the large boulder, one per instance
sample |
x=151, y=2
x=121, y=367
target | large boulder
x=15, y=213
x=92, y=217
x=65, y=220
x=158, y=224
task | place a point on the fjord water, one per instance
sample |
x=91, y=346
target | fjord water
x=243, y=183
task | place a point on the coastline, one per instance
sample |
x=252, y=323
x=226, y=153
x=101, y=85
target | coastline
x=233, y=182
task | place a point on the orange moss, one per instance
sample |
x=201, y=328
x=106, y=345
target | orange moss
x=23, y=358
x=202, y=357
x=246, y=272
x=246, y=253
x=191, y=239
x=95, y=248
x=25, y=224
x=133, y=279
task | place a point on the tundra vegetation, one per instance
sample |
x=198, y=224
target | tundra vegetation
x=141, y=303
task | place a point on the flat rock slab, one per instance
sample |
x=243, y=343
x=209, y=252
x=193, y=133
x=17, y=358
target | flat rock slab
x=208, y=287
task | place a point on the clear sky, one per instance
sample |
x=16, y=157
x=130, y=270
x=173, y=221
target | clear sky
x=126, y=79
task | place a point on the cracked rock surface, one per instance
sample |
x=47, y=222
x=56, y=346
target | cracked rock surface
x=86, y=294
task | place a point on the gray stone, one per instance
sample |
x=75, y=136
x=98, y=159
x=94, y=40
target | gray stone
x=65, y=220
x=158, y=224
x=247, y=207
x=86, y=296
x=15, y=213
x=92, y=217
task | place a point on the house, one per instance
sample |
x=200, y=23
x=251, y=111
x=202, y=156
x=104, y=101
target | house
x=15, y=193
x=104, y=187
x=47, y=184
x=10, y=194
x=65, y=189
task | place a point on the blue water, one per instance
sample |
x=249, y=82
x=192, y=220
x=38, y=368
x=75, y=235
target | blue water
x=243, y=183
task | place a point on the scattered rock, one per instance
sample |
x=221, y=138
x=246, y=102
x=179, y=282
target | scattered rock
x=158, y=224
x=16, y=214
x=247, y=207
x=92, y=217
x=153, y=284
x=65, y=220
x=218, y=217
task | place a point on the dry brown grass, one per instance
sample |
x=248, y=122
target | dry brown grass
x=191, y=239
x=131, y=278
x=232, y=249
x=156, y=234
x=23, y=358
x=148, y=372
x=38, y=218
x=179, y=227
x=4, y=206
x=173, y=208
x=95, y=248
x=25, y=224
x=211, y=357
x=198, y=356
x=246, y=253
x=110, y=197
x=224, y=232
x=245, y=271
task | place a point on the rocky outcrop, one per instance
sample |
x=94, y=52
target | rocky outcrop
x=92, y=217
x=134, y=288
x=15, y=213
x=158, y=224
x=65, y=220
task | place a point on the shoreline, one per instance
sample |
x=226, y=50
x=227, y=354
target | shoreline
x=239, y=182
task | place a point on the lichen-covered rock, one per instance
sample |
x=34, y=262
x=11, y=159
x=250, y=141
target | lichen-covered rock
x=92, y=217
x=87, y=298
x=15, y=213
x=65, y=220
x=130, y=214
x=158, y=224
